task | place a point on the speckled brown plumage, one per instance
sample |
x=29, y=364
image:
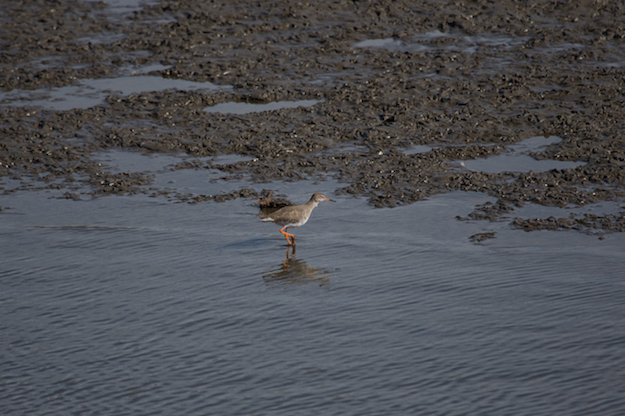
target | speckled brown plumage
x=294, y=215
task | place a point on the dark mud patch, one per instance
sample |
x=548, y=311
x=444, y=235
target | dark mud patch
x=480, y=237
x=467, y=79
x=120, y=183
x=588, y=223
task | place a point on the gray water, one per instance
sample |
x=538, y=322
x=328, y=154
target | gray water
x=517, y=158
x=136, y=305
x=92, y=92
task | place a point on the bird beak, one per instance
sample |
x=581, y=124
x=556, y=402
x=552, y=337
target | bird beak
x=328, y=199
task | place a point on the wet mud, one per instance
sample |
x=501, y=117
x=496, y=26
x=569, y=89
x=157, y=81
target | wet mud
x=467, y=79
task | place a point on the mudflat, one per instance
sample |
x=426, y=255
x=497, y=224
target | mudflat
x=458, y=81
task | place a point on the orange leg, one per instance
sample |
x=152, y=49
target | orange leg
x=287, y=235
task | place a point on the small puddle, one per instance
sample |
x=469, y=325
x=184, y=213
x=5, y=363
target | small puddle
x=92, y=92
x=118, y=10
x=149, y=68
x=432, y=34
x=341, y=149
x=517, y=159
x=419, y=148
x=229, y=159
x=132, y=162
x=438, y=40
x=169, y=171
x=197, y=181
x=493, y=40
x=245, y=108
x=101, y=38
x=389, y=43
x=122, y=161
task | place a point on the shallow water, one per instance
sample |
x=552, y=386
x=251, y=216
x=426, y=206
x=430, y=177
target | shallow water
x=418, y=149
x=91, y=92
x=132, y=304
x=517, y=158
x=121, y=9
x=430, y=41
x=137, y=304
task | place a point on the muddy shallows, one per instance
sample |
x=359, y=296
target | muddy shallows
x=340, y=90
x=473, y=260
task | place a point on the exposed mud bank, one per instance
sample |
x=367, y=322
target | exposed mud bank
x=469, y=79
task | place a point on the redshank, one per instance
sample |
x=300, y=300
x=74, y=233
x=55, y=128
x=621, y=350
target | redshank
x=294, y=215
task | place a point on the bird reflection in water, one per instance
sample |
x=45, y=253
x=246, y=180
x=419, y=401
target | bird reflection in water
x=295, y=271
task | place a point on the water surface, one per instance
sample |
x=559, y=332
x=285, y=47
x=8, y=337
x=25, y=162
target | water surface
x=517, y=158
x=91, y=92
x=132, y=304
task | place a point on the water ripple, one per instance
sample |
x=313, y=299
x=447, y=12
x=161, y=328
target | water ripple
x=187, y=316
